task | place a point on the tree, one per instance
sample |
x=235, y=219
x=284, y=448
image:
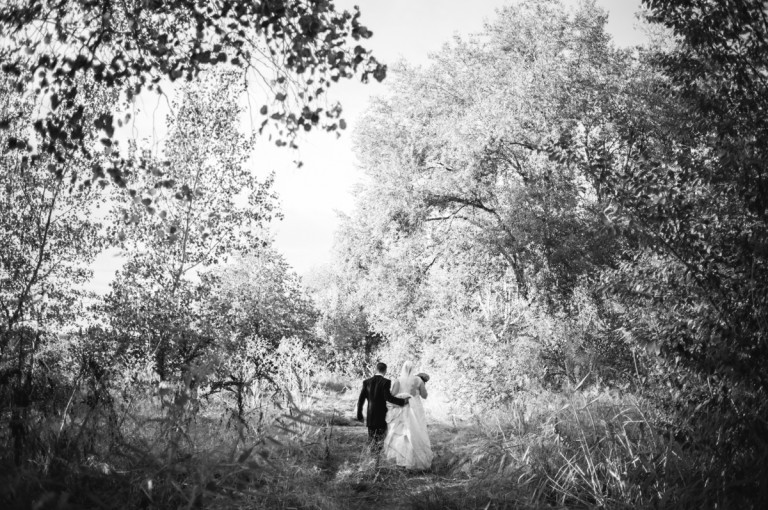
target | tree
x=678, y=160
x=692, y=187
x=470, y=223
x=259, y=296
x=48, y=238
x=296, y=48
x=257, y=310
x=213, y=207
x=343, y=323
x=711, y=213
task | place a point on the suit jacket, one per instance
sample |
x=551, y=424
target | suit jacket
x=377, y=391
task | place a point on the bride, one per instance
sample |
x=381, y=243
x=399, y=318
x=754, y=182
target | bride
x=407, y=441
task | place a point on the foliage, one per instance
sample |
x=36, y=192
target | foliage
x=469, y=235
x=295, y=48
x=343, y=324
x=710, y=213
x=218, y=205
x=259, y=314
x=155, y=301
x=259, y=296
x=48, y=238
x=686, y=179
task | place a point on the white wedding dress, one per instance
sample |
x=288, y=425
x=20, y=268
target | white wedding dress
x=407, y=442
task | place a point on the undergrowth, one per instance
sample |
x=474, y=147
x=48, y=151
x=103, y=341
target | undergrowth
x=590, y=449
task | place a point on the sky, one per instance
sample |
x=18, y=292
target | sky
x=312, y=196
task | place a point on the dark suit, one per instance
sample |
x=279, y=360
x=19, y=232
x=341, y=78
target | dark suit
x=376, y=391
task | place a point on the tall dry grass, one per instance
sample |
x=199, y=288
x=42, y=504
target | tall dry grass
x=165, y=446
x=581, y=449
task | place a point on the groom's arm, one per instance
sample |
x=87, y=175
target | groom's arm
x=361, y=401
x=394, y=399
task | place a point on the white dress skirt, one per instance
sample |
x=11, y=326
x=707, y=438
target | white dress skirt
x=407, y=442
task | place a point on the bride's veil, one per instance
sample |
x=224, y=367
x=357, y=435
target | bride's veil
x=407, y=370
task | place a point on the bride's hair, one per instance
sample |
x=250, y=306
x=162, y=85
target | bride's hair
x=407, y=369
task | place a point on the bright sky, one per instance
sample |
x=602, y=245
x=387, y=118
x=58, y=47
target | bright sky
x=312, y=195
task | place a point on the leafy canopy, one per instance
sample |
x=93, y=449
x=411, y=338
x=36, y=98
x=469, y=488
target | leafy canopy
x=294, y=48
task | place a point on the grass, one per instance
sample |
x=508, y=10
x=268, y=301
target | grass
x=582, y=450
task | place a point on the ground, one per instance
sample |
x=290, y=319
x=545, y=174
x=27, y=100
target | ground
x=331, y=467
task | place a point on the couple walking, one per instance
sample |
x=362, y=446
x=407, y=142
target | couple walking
x=397, y=424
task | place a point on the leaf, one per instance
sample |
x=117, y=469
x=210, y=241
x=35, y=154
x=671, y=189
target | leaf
x=104, y=122
x=380, y=73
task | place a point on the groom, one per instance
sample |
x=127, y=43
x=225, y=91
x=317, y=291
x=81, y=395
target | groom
x=376, y=391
